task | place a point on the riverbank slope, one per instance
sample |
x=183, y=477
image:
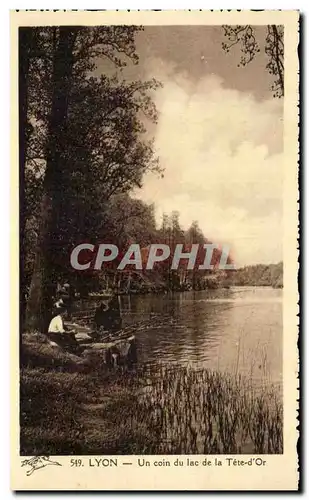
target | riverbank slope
x=70, y=407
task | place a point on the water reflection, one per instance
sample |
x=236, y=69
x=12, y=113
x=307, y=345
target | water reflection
x=237, y=330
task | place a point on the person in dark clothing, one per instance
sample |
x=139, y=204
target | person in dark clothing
x=115, y=316
x=101, y=316
x=107, y=316
x=65, y=295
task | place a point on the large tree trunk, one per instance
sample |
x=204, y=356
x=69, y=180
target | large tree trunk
x=44, y=281
x=24, y=49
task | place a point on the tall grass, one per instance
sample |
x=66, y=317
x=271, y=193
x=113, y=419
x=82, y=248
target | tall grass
x=200, y=411
x=154, y=410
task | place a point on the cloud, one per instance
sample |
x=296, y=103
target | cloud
x=222, y=154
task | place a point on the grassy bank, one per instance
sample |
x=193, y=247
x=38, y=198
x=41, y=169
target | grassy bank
x=68, y=407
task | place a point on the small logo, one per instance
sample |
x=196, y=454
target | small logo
x=36, y=463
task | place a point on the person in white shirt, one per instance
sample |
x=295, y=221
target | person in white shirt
x=58, y=333
x=56, y=325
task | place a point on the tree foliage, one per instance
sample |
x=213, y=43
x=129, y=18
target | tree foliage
x=84, y=148
x=84, y=141
x=245, y=37
x=258, y=275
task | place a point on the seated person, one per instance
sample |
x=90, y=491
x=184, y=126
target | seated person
x=115, y=316
x=100, y=315
x=58, y=332
x=107, y=316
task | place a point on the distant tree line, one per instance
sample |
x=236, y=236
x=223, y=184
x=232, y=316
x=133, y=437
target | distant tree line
x=258, y=275
x=126, y=220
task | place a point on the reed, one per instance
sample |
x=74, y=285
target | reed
x=154, y=410
x=197, y=411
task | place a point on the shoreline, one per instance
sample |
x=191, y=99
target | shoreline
x=105, y=295
x=70, y=408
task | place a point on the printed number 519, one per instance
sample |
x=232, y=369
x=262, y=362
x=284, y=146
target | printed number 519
x=76, y=462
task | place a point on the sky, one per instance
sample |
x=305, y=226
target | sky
x=219, y=139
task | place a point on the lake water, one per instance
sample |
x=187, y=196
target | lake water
x=237, y=330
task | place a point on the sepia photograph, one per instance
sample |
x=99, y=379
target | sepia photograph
x=152, y=258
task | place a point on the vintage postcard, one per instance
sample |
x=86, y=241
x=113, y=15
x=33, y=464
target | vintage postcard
x=154, y=250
